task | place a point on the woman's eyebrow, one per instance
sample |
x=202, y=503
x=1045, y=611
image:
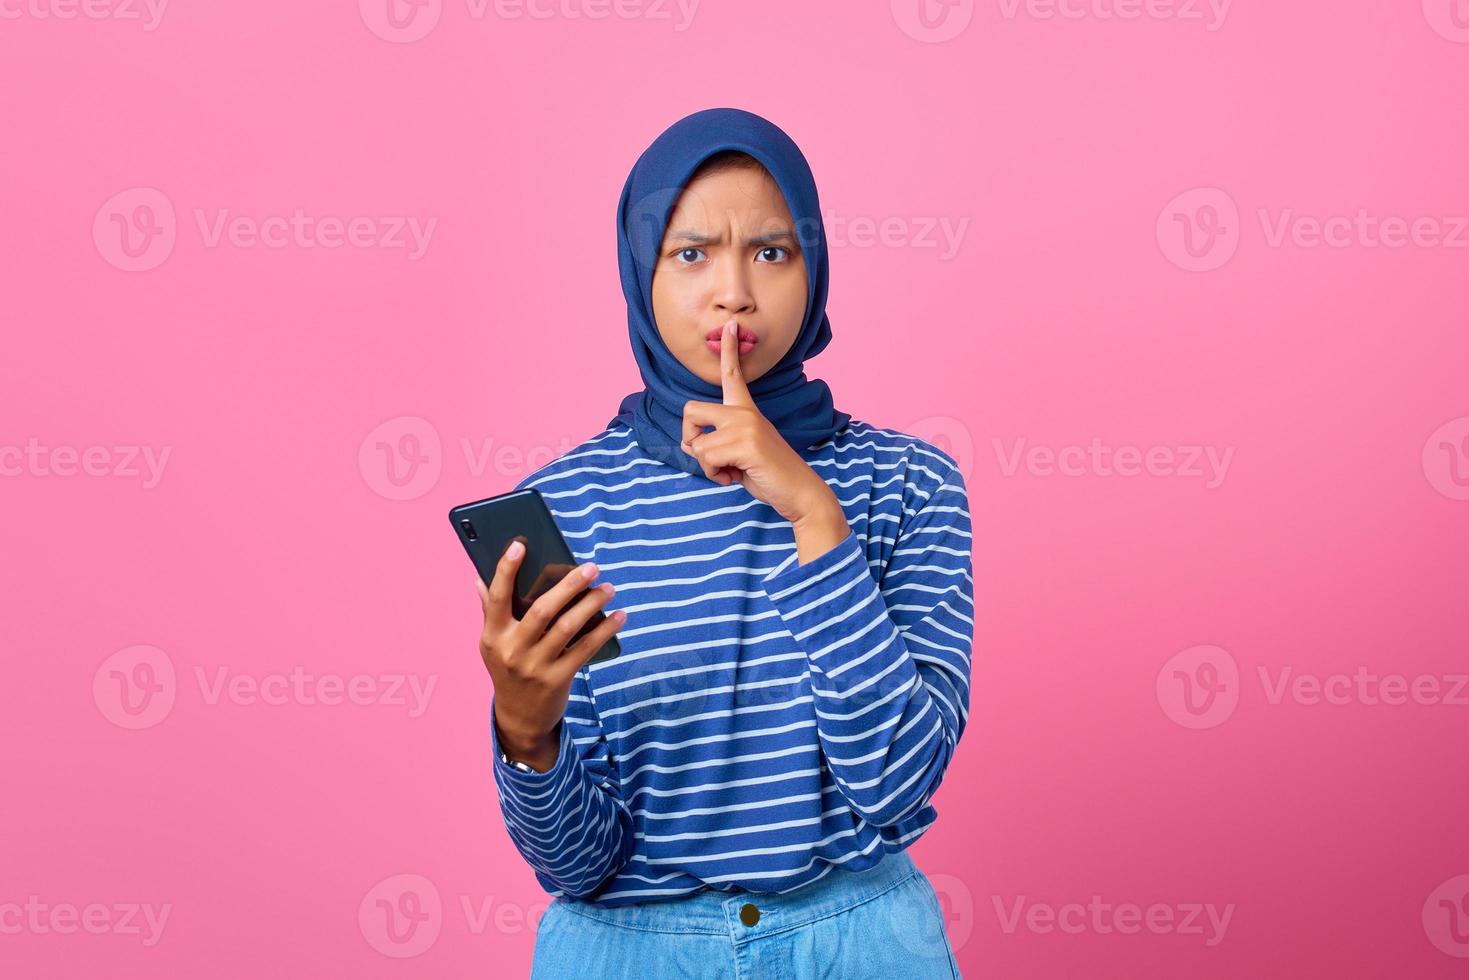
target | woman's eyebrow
x=701, y=238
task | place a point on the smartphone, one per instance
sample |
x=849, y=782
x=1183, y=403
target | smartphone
x=486, y=528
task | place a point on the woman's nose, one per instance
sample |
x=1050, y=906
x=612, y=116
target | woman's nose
x=732, y=290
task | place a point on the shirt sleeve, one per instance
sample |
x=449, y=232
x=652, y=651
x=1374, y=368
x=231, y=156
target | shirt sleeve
x=570, y=823
x=889, y=656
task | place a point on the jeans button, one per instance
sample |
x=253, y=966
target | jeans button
x=749, y=914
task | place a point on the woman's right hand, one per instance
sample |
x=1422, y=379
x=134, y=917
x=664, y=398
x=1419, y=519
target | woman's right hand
x=529, y=660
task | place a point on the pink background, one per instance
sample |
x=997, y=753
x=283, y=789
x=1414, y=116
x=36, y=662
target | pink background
x=1114, y=279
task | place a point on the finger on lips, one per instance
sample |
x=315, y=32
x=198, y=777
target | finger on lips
x=731, y=374
x=698, y=414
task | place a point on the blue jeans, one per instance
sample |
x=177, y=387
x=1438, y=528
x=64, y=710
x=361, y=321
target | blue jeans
x=884, y=923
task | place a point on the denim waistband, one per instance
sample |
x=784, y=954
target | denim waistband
x=718, y=912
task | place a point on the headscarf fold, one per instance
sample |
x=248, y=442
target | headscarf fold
x=801, y=409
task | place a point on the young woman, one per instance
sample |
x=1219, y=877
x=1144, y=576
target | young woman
x=733, y=796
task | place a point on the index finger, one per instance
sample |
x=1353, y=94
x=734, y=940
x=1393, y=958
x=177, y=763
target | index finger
x=497, y=593
x=730, y=373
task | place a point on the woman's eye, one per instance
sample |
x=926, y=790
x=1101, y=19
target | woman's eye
x=773, y=248
x=685, y=251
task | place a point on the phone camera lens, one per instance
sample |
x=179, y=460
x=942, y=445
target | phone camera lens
x=469, y=530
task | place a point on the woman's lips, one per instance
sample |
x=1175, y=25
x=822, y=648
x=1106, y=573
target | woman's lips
x=714, y=340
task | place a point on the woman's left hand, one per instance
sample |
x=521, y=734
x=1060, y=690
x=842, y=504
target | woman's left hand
x=745, y=448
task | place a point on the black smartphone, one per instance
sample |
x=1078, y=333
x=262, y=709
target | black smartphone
x=486, y=528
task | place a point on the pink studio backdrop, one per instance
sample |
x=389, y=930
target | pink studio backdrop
x=1181, y=285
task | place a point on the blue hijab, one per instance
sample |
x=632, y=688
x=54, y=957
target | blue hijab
x=799, y=408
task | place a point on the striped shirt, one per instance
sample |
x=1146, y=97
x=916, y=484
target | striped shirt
x=767, y=721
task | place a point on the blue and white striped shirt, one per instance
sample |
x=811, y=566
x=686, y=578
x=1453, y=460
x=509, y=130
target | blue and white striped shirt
x=767, y=721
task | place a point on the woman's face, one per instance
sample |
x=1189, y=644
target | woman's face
x=730, y=252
